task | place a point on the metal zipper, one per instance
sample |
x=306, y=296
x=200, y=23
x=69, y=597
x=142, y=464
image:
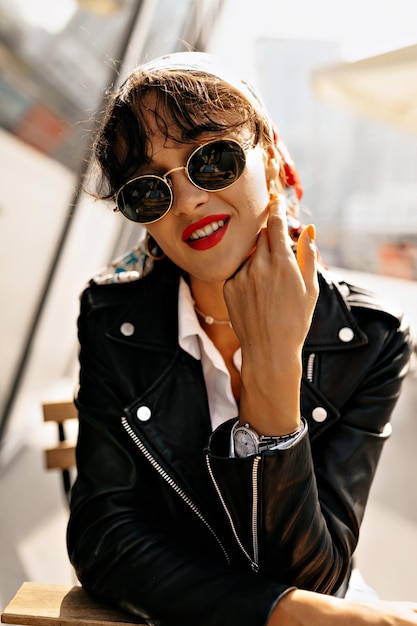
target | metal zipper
x=310, y=367
x=171, y=482
x=254, y=562
x=255, y=510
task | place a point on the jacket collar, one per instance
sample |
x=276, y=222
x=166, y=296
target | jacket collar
x=150, y=317
x=333, y=326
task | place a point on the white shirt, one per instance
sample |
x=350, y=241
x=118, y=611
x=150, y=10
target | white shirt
x=194, y=340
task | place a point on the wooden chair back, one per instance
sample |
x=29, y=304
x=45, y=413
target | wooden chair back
x=61, y=456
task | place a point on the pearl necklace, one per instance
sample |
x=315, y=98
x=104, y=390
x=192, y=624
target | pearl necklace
x=210, y=320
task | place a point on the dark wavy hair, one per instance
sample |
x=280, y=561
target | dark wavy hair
x=186, y=104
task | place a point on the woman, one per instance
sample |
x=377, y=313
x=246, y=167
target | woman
x=234, y=399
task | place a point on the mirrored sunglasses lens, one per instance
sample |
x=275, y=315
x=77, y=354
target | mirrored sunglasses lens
x=217, y=165
x=144, y=199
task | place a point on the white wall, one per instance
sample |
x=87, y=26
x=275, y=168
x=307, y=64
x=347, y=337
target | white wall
x=36, y=192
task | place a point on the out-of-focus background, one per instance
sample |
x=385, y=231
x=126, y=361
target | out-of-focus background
x=340, y=80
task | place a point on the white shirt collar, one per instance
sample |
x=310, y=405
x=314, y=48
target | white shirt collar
x=188, y=324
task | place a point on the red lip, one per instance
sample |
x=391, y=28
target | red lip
x=206, y=242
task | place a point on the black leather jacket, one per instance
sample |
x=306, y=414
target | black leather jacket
x=163, y=523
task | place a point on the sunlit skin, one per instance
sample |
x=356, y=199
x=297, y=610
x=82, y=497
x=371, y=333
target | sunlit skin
x=247, y=273
x=243, y=205
x=211, y=260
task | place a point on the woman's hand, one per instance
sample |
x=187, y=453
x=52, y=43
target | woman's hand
x=306, y=608
x=271, y=300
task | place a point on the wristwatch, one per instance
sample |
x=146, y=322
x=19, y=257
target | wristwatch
x=246, y=441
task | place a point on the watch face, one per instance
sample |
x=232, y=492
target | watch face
x=245, y=442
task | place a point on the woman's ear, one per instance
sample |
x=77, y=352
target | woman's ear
x=272, y=164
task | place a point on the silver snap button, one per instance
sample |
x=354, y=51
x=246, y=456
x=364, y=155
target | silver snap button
x=143, y=413
x=346, y=334
x=319, y=414
x=127, y=329
x=344, y=290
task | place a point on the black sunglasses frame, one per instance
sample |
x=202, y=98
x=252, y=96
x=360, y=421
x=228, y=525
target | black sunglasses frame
x=120, y=204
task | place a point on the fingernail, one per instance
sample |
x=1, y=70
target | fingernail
x=272, y=190
x=311, y=230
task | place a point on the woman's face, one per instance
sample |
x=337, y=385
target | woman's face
x=210, y=234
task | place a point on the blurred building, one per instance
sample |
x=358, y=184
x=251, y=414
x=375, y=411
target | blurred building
x=56, y=62
x=359, y=175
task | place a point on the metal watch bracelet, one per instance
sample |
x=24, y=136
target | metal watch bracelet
x=265, y=442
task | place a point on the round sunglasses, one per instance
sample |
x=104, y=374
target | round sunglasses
x=214, y=166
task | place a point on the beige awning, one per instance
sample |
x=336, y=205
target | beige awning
x=383, y=87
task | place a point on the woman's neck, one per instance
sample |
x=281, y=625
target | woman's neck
x=209, y=299
x=210, y=303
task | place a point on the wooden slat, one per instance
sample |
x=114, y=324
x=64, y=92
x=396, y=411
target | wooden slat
x=59, y=411
x=62, y=456
x=60, y=605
